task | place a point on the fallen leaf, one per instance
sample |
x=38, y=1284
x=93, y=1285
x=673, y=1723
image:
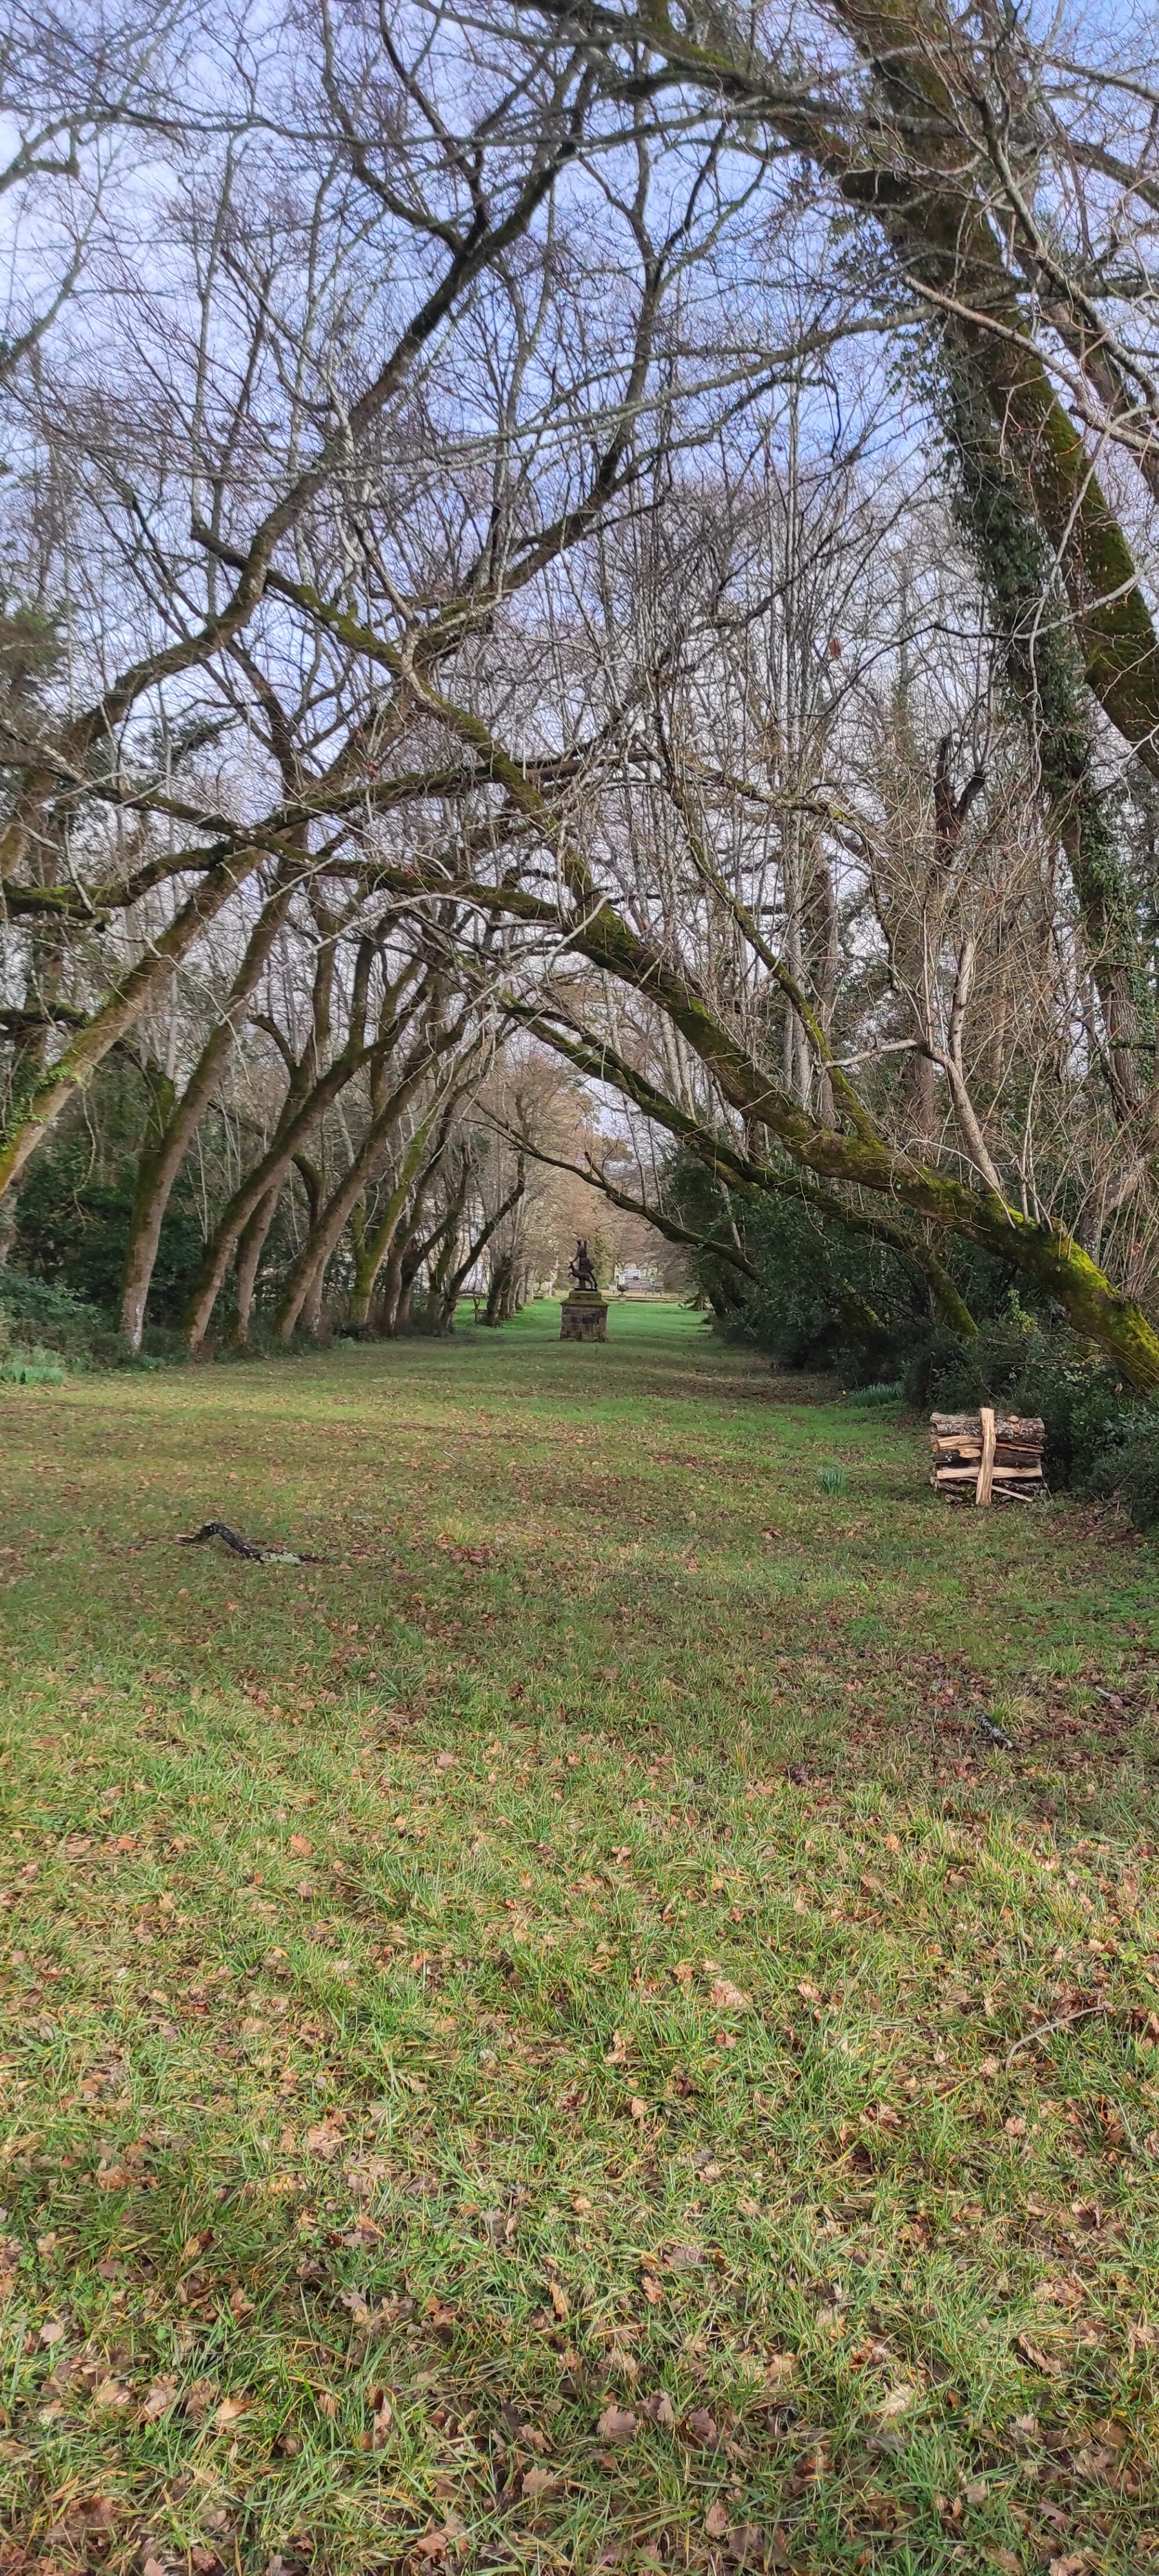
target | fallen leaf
x=199, y=2398
x=1060, y=2293
x=301, y=1846
x=559, y=2300
x=326, y=2138
x=158, y=2399
x=381, y=2422
x=745, y=2546
x=780, y=2366
x=977, y=2491
x=52, y=2333
x=729, y=1998
x=109, y=2392
x=659, y=2410
x=616, y=2426
x=1006, y=2560
x=445, y=1761
x=699, y=2428
x=229, y=2411
x=637, y=2108
x=716, y=2521
x=538, y=2482
x=437, y=2543
x=896, y=2401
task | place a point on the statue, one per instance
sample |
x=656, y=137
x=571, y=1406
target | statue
x=583, y=1316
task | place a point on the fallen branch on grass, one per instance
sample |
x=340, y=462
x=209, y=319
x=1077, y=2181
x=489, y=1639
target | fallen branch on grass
x=1046, y=2029
x=247, y=1546
x=994, y=1734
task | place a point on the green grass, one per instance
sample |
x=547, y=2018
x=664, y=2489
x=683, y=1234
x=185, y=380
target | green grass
x=573, y=1949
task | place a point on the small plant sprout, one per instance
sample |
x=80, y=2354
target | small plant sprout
x=832, y=1480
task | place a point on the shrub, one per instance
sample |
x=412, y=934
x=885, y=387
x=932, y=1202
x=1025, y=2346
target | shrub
x=1126, y=1465
x=1102, y=1439
x=1026, y=1368
x=43, y=1307
x=31, y=1368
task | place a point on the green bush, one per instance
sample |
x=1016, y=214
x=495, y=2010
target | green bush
x=31, y=1368
x=73, y=1229
x=1102, y=1439
x=1127, y=1465
x=42, y=1311
x=1026, y=1368
x=41, y=1315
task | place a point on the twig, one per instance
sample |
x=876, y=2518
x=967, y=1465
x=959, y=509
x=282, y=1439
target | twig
x=996, y=1734
x=1046, y=2028
x=246, y=1546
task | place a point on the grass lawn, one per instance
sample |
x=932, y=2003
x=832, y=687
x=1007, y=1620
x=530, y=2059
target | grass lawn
x=553, y=2038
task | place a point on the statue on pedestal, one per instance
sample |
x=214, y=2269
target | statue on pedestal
x=583, y=1316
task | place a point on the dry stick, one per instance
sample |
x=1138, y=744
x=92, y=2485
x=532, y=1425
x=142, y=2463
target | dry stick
x=1046, y=2028
x=240, y=1546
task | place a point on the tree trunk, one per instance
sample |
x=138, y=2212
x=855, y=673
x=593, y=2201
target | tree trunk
x=299, y=1117
x=161, y=1163
x=451, y=1283
x=498, y=1308
x=385, y=1319
x=375, y=1246
x=327, y=1232
x=249, y=1253
x=144, y=983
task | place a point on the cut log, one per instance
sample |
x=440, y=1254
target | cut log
x=987, y=1456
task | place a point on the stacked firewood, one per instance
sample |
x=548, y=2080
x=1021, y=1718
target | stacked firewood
x=987, y=1457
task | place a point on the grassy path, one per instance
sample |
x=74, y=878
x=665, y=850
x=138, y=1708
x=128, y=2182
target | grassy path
x=553, y=2039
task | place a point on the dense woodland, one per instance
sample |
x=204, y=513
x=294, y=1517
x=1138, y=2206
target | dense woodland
x=579, y=611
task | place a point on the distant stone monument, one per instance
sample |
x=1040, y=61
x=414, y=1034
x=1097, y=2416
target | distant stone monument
x=583, y=1316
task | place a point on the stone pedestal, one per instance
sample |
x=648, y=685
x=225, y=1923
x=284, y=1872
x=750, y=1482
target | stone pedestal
x=583, y=1316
